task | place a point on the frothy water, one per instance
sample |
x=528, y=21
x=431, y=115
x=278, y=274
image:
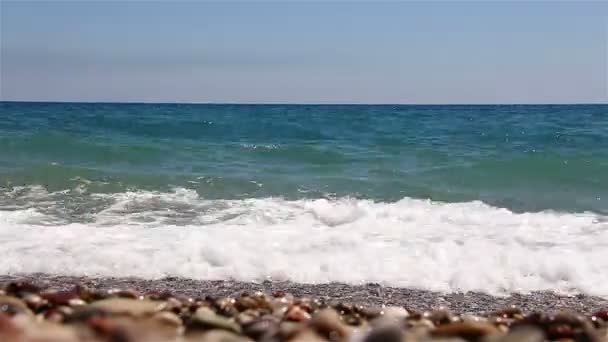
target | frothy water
x=410, y=243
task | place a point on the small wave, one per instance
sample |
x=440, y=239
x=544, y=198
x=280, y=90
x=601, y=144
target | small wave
x=261, y=146
x=411, y=243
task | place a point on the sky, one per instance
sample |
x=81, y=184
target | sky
x=305, y=52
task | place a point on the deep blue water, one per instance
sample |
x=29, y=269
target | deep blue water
x=521, y=157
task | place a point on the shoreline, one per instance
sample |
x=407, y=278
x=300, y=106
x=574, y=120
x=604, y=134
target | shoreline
x=373, y=295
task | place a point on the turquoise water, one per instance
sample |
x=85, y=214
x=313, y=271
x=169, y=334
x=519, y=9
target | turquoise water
x=309, y=193
x=522, y=157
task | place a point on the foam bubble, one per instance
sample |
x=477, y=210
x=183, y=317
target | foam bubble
x=410, y=243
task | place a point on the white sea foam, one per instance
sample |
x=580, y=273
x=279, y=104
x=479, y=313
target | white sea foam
x=410, y=243
x=261, y=146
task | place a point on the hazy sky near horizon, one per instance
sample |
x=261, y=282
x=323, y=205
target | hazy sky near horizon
x=305, y=52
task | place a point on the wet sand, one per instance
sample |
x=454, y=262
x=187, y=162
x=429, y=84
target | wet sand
x=367, y=295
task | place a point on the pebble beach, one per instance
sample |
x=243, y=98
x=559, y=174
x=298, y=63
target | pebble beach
x=43, y=307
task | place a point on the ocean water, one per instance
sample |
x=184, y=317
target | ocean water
x=504, y=198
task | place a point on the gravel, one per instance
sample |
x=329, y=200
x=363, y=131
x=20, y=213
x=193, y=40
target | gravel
x=367, y=295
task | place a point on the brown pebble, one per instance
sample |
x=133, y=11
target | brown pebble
x=205, y=319
x=509, y=311
x=168, y=318
x=246, y=302
x=106, y=328
x=50, y=332
x=21, y=288
x=59, y=297
x=34, y=301
x=439, y=316
x=216, y=336
x=266, y=326
x=468, y=330
x=54, y=315
x=522, y=334
x=296, y=314
x=76, y=302
x=387, y=333
x=126, y=293
x=289, y=329
x=307, y=336
x=327, y=323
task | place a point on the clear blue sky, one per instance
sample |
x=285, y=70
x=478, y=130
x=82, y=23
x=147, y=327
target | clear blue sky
x=316, y=52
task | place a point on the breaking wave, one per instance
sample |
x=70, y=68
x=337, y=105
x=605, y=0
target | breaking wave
x=409, y=243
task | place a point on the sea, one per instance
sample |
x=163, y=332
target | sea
x=448, y=198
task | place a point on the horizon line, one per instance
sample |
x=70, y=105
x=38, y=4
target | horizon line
x=309, y=103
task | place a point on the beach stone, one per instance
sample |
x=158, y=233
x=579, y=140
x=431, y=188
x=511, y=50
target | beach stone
x=89, y=295
x=501, y=321
x=85, y=313
x=569, y=318
x=50, y=332
x=439, y=316
x=521, y=334
x=510, y=311
x=132, y=329
x=107, y=329
x=395, y=312
x=247, y=302
x=602, y=314
x=205, y=319
x=468, y=330
x=124, y=293
x=603, y=334
x=353, y=319
x=21, y=288
x=12, y=306
x=76, y=302
x=289, y=329
x=247, y=316
x=327, y=323
x=307, y=336
x=215, y=336
x=162, y=326
x=280, y=306
x=419, y=324
x=9, y=331
x=168, y=318
x=387, y=333
x=226, y=306
x=281, y=299
x=173, y=304
x=390, y=316
x=54, y=315
x=297, y=314
x=370, y=313
x=344, y=308
x=124, y=306
x=34, y=301
x=266, y=326
x=65, y=310
x=60, y=297
x=559, y=331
